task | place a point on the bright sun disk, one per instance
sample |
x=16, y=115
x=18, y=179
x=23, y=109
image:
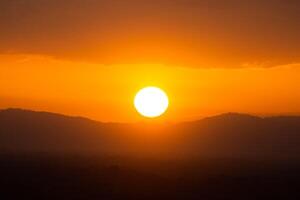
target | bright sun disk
x=151, y=102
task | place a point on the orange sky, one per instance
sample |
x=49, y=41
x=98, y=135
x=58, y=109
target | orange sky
x=106, y=93
x=90, y=57
x=206, y=33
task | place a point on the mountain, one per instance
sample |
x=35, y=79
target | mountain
x=241, y=135
x=227, y=135
x=38, y=159
x=29, y=131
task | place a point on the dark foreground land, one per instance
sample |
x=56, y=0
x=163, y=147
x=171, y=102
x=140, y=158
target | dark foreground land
x=78, y=177
x=175, y=160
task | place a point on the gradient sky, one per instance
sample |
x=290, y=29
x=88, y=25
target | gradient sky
x=90, y=57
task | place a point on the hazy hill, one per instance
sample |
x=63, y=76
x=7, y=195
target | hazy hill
x=241, y=135
x=227, y=135
x=29, y=131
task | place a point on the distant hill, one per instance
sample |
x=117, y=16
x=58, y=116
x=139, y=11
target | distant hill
x=29, y=131
x=226, y=135
x=241, y=135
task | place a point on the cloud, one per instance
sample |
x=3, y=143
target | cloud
x=180, y=33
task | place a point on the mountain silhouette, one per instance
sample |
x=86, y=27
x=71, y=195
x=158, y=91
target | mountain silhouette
x=227, y=135
x=229, y=156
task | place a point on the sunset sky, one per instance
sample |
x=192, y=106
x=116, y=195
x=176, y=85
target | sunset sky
x=90, y=57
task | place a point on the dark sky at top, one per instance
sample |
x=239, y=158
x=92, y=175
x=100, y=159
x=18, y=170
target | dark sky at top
x=211, y=33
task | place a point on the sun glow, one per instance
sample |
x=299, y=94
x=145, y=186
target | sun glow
x=151, y=102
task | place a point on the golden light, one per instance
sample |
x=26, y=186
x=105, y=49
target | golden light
x=151, y=102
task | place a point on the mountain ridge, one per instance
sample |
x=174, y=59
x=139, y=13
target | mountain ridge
x=231, y=115
x=225, y=135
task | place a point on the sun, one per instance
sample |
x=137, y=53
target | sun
x=151, y=102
